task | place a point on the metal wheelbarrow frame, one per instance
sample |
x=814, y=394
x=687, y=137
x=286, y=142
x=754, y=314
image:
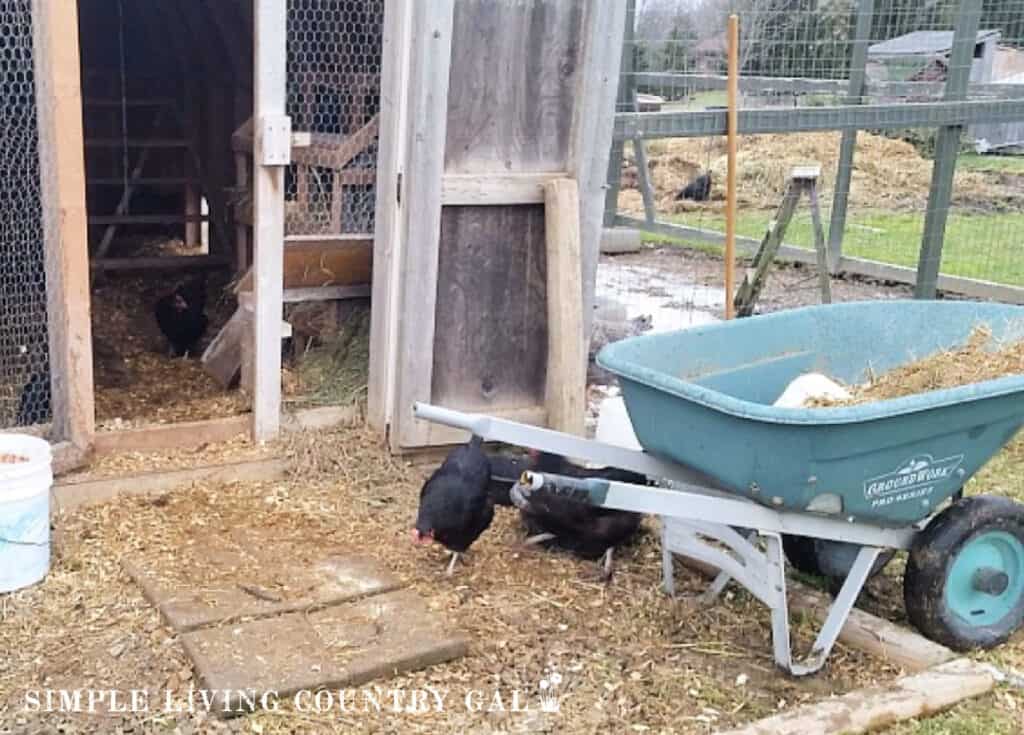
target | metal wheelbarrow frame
x=694, y=511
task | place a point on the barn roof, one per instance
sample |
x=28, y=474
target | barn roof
x=921, y=43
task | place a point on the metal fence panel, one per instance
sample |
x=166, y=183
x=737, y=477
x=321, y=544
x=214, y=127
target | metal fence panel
x=796, y=64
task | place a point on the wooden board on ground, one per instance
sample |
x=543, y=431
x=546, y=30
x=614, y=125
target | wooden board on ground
x=339, y=647
x=873, y=708
x=862, y=630
x=71, y=495
x=203, y=602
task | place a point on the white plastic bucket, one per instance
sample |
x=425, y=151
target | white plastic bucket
x=24, y=511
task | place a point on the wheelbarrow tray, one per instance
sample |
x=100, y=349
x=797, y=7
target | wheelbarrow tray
x=702, y=397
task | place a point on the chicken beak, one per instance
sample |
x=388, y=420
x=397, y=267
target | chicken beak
x=421, y=539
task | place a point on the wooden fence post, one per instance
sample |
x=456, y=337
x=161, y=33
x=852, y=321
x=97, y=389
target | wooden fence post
x=65, y=239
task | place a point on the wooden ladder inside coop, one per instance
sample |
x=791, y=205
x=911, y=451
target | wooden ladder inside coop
x=134, y=179
x=801, y=179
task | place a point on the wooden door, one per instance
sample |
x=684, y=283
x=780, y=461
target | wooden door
x=495, y=98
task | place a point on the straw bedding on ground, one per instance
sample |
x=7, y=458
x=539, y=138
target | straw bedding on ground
x=632, y=659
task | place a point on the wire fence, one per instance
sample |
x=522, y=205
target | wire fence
x=859, y=63
x=24, y=355
x=334, y=59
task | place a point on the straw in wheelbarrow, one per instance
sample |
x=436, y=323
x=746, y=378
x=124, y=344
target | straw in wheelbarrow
x=972, y=362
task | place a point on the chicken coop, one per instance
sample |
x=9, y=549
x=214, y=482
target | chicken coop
x=259, y=169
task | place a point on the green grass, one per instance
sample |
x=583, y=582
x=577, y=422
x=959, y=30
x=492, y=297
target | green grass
x=699, y=101
x=985, y=246
x=976, y=717
x=1002, y=164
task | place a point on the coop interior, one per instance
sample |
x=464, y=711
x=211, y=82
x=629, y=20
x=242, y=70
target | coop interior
x=167, y=92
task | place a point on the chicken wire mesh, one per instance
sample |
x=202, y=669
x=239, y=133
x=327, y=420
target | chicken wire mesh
x=24, y=357
x=797, y=54
x=334, y=59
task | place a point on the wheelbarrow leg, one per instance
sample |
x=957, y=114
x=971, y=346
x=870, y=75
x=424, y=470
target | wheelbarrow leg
x=834, y=621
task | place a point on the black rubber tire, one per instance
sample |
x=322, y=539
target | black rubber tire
x=932, y=556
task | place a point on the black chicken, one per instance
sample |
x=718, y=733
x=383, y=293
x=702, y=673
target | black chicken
x=181, y=316
x=455, y=505
x=699, y=190
x=574, y=525
x=34, y=405
x=505, y=472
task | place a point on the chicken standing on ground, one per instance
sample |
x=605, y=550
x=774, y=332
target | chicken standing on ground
x=455, y=505
x=34, y=403
x=587, y=530
x=699, y=190
x=181, y=316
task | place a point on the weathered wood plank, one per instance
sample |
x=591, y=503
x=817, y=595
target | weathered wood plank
x=65, y=236
x=72, y=495
x=319, y=263
x=490, y=333
x=566, y=379
x=388, y=236
x=873, y=708
x=486, y=189
x=510, y=105
x=862, y=630
x=593, y=123
x=429, y=72
x=271, y=92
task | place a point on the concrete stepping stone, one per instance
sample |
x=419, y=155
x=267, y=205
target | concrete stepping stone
x=200, y=602
x=341, y=646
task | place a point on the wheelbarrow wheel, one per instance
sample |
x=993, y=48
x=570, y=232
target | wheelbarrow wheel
x=964, y=583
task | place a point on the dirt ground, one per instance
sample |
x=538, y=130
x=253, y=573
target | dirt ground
x=632, y=660
x=786, y=287
x=139, y=384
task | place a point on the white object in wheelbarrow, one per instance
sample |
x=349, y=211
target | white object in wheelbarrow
x=810, y=385
x=24, y=510
x=614, y=426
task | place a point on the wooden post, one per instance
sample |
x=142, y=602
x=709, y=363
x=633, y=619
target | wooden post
x=387, y=243
x=268, y=210
x=566, y=387
x=627, y=85
x=62, y=174
x=242, y=184
x=192, y=207
x=730, y=206
x=947, y=148
x=591, y=138
x=844, y=172
x=427, y=117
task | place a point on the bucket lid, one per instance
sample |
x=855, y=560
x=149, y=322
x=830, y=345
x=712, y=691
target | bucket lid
x=37, y=451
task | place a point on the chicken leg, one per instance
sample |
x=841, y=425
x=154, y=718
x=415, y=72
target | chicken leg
x=606, y=565
x=538, y=539
x=451, y=564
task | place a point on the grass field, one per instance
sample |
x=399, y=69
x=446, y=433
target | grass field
x=977, y=162
x=985, y=246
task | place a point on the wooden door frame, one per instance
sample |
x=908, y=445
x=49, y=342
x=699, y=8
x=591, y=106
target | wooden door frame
x=412, y=188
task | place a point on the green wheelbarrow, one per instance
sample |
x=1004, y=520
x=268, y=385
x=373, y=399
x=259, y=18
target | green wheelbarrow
x=839, y=488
